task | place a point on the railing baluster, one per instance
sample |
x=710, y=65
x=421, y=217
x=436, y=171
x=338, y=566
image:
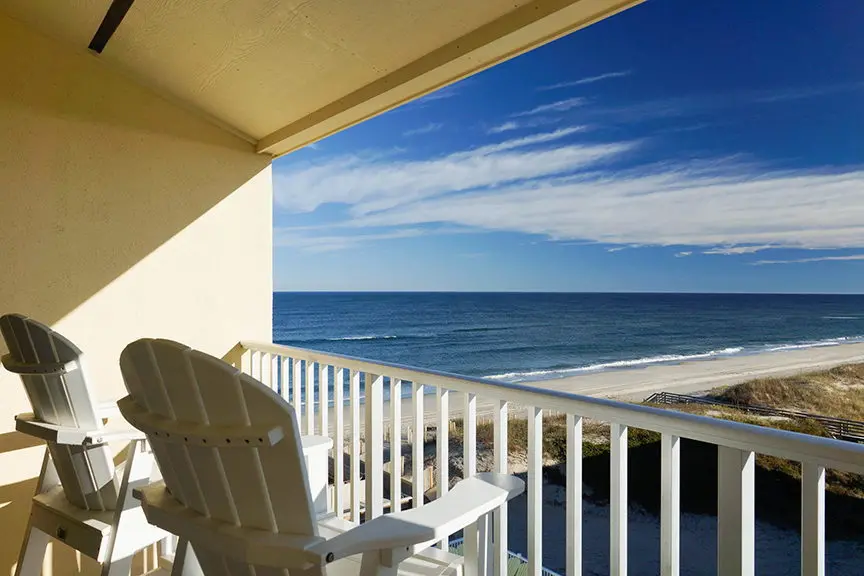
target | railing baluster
x=469, y=468
x=354, y=401
x=263, y=359
x=284, y=377
x=395, y=444
x=812, y=519
x=298, y=395
x=500, y=516
x=339, y=440
x=246, y=361
x=573, y=509
x=735, y=512
x=310, y=398
x=469, y=435
x=374, y=438
x=618, y=500
x=670, y=511
x=253, y=364
x=535, y=490
x=324, y=399
x=418, y=455
x=442, y=443
x=285, y=372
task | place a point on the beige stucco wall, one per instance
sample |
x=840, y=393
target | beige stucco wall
x=121, y=216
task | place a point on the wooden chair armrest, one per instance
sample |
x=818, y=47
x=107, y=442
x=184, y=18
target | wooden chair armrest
x=412, y=531
x=27, y=424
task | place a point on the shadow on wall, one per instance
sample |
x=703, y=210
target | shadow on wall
x=15, y=508
x=98, y=172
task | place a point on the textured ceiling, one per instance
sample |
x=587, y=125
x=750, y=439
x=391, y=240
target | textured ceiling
x=283, y=73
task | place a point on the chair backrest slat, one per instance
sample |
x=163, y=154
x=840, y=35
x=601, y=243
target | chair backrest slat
x=63, y=399
x=150, y=392
x=263, y=487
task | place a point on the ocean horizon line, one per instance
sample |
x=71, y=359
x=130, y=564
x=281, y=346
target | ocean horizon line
x=542, y=292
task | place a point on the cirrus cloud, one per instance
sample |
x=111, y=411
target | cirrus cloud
x=547, y=184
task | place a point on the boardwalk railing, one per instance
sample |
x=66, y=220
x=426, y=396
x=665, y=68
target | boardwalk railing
x=309, y=379
x=840, y=428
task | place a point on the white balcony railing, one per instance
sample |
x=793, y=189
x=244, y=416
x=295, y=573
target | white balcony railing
x=279, y=366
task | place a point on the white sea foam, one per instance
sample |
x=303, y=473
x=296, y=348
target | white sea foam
x=816, y=344
x=365, y=337
x=661, y=359
x=668, y=359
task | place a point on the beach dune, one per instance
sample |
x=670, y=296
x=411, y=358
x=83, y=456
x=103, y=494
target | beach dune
x=637, y=384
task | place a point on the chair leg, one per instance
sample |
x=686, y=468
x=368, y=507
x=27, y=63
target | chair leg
x=122, y=546
x=32, y=552
x=185, y=561
x=370, y=565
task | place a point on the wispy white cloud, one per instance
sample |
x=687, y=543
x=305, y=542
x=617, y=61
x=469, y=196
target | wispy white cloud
x=559, y=106
x=702, y=104
x=541, y=138
x=814, y=259
x=680, y=205
x=684, y=254
x=295, y=238
x=427, y=129
x=503, y=127
x=524, y=123
x=736, y=250
x=546, y=186
x=378, y=184
x=586, y=80
x=441, y=93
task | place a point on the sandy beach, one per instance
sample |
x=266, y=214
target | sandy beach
x=702, y=375
x=637, y=384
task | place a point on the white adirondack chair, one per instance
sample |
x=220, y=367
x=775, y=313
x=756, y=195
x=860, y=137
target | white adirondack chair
x=81, y=498
x=235, y=483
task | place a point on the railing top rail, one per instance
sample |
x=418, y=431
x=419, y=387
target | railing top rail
x=827, y=452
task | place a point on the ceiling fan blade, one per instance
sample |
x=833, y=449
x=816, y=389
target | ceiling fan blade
x=113, y=18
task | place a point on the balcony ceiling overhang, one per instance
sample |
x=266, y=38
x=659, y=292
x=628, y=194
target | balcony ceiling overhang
x=285, y=73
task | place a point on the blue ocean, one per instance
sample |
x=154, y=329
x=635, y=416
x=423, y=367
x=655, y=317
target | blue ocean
x=527, y=337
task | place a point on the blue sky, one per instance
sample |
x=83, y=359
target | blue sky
x=679, y=146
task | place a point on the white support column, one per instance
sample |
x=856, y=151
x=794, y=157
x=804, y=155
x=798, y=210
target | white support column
x=354, y=394
x=417, y=455
x=284, y=376
x=395, y=444
x=469, y=468
x=374, y=438
x=442, y=443
x=246, y=362
x=324, y=399
x=812, y=520
x=310, y=398
x=484, y=548
x=735, y=512
x=670, y=511
x=535, y=490
x=255, y=365
x=339, y=440
x=266, y=369
x=618, y=500
x=500, y=441
x=297, y=399
x=573, y=509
